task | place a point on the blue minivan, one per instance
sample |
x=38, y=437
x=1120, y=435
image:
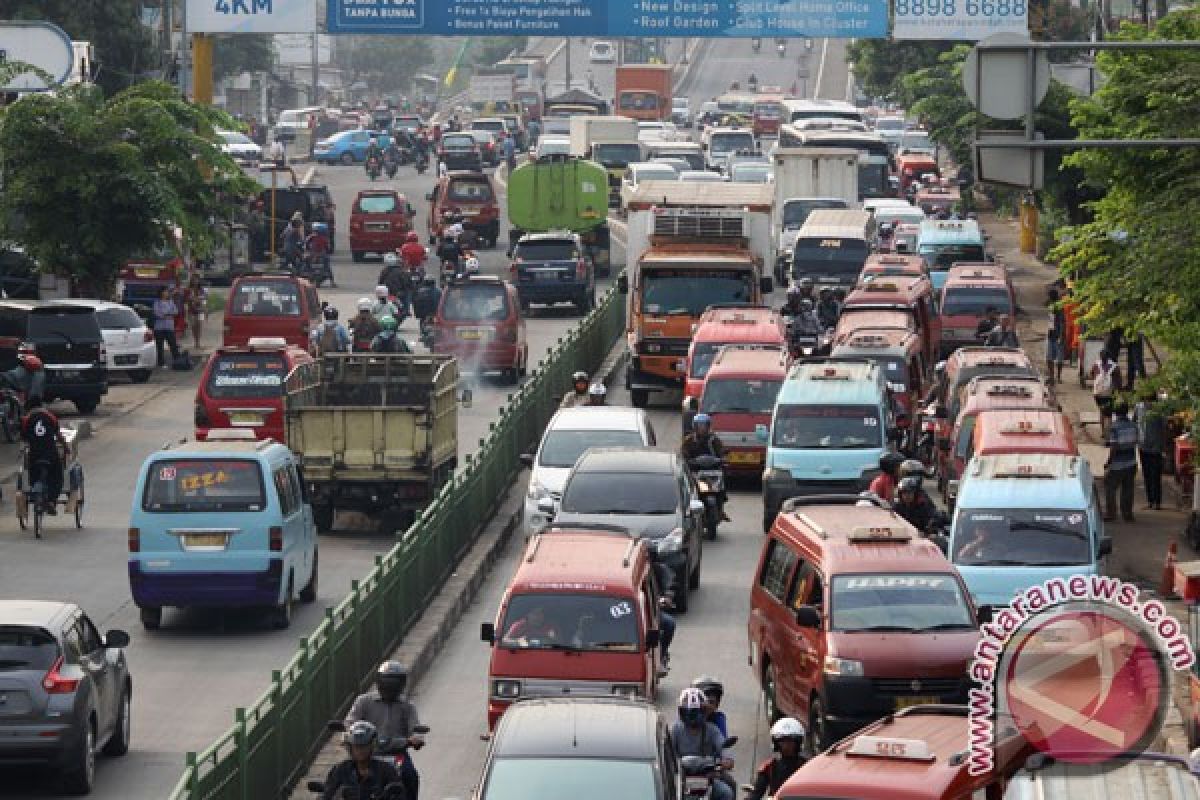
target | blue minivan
x=833, y=418
x=222, y=524
x=1022, y=519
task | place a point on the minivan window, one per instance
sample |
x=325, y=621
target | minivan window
x=377, y=204
x=827, y=427
x=547, y=250
x=209, y=484
x=576, y=778
x=72, y=325
x=247, y=375
x=578, y=621
x=621, y=493
x=117, y=319
x=26, y=650
x=1021, y=537
x=562, y=448
x=467, y=191
x=266, y=299
x=916, y=602
x=740, y=396
x=477, y=303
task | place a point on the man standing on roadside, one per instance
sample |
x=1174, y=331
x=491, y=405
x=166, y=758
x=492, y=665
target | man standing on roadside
x=1152, y=433
x=1121, y=467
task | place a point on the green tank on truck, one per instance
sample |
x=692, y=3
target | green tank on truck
x=557, y=194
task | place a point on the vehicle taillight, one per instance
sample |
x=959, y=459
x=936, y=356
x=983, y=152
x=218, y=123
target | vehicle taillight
x=147, y=336
x=276, y=539
x=55, y=683
x=135, y=540
x=581, y=269
x=200, y=416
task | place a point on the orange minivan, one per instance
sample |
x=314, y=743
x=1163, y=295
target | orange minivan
x=243, y=387
x=965, y=365
x=904, y=293
x=271, y=305
x=580, y=616
x=899, y=351
x=970, y=290
x=1003, y=431
x=894, y=264
x=854, y=616
x=721, y=325
x=479, y=322
x=739, y=394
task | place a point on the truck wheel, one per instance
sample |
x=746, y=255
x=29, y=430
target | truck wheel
x=323, y=516
x=309, y=593
x=639, y=397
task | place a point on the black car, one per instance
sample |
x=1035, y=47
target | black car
x=460, y=151
x=69, y=342
x=648, y=492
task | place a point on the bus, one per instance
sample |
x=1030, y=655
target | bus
x=803, y=108
x=832, y=246
x=874, y=161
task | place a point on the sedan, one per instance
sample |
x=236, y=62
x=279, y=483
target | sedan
x=128, y=343
x=65, y=691
x=602, y=53
x=348, y=147
x=240, y=147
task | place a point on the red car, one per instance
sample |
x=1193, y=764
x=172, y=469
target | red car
x=243, y=387
x=379, y=221
x=479, y=322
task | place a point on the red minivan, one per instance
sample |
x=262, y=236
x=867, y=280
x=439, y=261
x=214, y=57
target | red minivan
x=479, y=322
x=243, y=387
x=379, y=221
x=470, y=194
x=269, y=305
x=739, y=394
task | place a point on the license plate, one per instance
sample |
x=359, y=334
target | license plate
x=470, y=335
x=743, y=458
x=124, y=361
x=246, y=418
x=905, y=702
x=66, y=373
x=379, y=226
x=204, y=540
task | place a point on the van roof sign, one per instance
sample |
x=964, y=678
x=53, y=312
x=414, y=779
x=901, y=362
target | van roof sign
x=1009, y=390
x=1025, y=426
x=879, y=533
x=888, y=747
x=830, y=374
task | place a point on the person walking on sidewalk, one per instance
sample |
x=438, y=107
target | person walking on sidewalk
x=1106, y=379
x=1121, y=467
x=1056, y=338
x=1152, y=433
x=165, y=311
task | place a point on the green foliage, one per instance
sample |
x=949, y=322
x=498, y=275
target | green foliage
x=487, y=50
x=385, y=63
x=93, y=181
x=242, y=52
x=879, y=64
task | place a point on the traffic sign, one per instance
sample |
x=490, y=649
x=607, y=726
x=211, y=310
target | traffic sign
x=39, y=44
x=251, y=16
x=998, y=82
x=844, y=19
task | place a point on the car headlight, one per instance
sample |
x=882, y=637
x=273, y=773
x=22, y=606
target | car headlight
x=672, y=542
x=627, y=690
x=776, y=475
x=506, y=690
x=844, y=667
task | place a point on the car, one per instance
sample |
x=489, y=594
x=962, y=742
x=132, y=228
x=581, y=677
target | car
x=722, y=325
x=66, y=690
x=479, y=321
x=639, y=172
x=570, y=432
x=348, y=147
x=552, y=146
x=128, y=342
x=554, y=267
x=68, y=340
x=489, y=146
x=293, y=120
x=408, y=122
x=380, y=219
x=649, y=492
x=602, y=52
x=471, y=194
x=701, y=176
x=243, y=387
x=496, y=125
x=681, y=113
x=240, y=147
x=460, y=151
x=718, y=143
x=271, y=304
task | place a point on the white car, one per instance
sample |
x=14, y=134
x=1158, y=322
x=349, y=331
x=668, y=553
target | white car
x=639, y=172
x=128, y=343
x=571, y=432
x=552, y=146
x=602, y=53
x=240, y=147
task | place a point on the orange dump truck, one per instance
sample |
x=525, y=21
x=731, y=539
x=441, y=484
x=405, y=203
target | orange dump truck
x=643, y=91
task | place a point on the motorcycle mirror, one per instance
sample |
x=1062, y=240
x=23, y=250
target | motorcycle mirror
x=116, y=639
x=487, y=632
x=808, y=617
x=730, y=742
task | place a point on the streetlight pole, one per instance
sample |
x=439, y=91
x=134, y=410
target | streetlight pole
x=567, y=88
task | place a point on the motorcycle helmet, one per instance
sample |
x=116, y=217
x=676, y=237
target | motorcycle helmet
x=360, y=734
x=710, y=685
x=297, y=217
x=331, y=314
x=701, y=419
x=910, y=467
x=890, y=462
x=381, y=292
x=412, y=237
x=365, y=304
x=910, y=484
x=388, y=322
x=580, y=381
x=597, y=393
x=29, y=361
x=390, y=259
x=391, y=679
x=691, y=706
x=806, y=304
x=787, y=728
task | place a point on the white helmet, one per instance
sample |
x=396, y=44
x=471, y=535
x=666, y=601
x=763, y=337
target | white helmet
x=472, y=264
x=787, y=728
x=391, y=259
x=381, y=292
x=690, y=698
x=365, y=304
x=598, y=390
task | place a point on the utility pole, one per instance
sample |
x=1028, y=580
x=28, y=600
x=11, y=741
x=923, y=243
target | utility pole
x=316, y=68
x=567, y=88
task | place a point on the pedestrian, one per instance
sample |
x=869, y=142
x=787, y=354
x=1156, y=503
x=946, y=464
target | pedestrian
x=1056, y=338
x=1106, y=377
x=1135, y=353
x=195, y=302
x=1113, y=343
x=1121, y=467
x=165, y=311
x=1152, y=435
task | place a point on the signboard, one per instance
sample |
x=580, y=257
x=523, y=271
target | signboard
x=964, y=20
x=841, y=19
x=295, y=49
x=251, y=16
x=41, y=45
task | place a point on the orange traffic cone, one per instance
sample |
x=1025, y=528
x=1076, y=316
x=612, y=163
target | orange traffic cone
x=1166, y=588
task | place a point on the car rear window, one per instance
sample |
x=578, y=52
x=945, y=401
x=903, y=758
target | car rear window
x=23, y=649
x=204, y=484
x=475, y=304
x=377, y=204
x=547, y=251
x=469, y=191
x=119, y=319
x=73, y=324
x=467, y=141
x=266, y=298
x=247, y=375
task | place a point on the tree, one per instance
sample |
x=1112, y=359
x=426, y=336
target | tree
x=489, y=50
x=242, y=52
x=92, y=182
x=879, y=64
x=114, y=27
x=386, y=63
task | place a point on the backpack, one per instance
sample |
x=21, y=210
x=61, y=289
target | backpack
x=1102, y=386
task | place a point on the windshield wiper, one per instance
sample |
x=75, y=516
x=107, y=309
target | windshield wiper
x=947, y=626
x=996, y=562
x=881, y=629
x=612, y=644
x=1047, y=527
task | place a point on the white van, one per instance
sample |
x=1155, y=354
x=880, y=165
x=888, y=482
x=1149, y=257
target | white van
x=292, y=120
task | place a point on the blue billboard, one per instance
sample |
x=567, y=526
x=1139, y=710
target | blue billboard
x=842, y=19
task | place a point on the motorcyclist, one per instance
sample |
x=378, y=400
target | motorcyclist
x=391, y=157
x=331, y=336
x=805, y=321
x=913, y=504
x=317, y=245
x=391, y=713
x=693, y=735
x=828, y=308
x=388, y=340
x=579, y=386
x=884, y=485
x=1002, y=335
x=448, y=248
x=427, y=299
x=791, y=303
x=362, y=774
x=374, y=151
x=42, y=434
x=27, y=378
x=703, y=442
x=990, y=321
x=666, y=621
x=787, y=738
x=597, y=394
x=397, y=280
x=713, y=690
x=364, y=326
x=293, y=240
x=383, y=306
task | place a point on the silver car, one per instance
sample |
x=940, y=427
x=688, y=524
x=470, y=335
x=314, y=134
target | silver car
x=65, y=690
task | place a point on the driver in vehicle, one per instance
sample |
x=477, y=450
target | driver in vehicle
x=534, y=627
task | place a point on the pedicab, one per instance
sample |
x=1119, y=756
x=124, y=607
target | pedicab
x=30, y=501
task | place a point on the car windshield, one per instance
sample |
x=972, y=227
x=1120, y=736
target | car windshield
x=621, y=493
x=740, y=396
x=889, y=124
x=119, y=319
x=974, y=301
x=690, y=291
x=470, y=192
x=832, y=256
x=576, y=778
x=577, y=621
x=464, y=142
x=616, y=154
x=26, y=649
x=377, y=204
x=546, y=250
x=906, y=602
x=474, y=304
x=247, y=375
x=61, y=323
x=493, y=125
x=827, y=427
x=1021, y=537
x=916, y=141
x=795, y=212
x=562, y=448
x=266, y=299
x=236, y=138
x=944, y=255
x=204, y=485
x=729, y=142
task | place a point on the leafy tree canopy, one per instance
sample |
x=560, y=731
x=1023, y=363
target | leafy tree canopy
x=488, y=50
x=385, y=63
x=242, y=52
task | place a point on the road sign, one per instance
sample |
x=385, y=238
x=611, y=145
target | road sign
x=251, y=16
x=1010, y=166
x=841, y=19
x=998, y=82
x=965, y=20
x=39, y=44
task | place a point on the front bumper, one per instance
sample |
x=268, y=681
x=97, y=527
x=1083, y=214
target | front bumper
x=206, y=589
x=550, y=291
x=852, y=703
x=638, y=374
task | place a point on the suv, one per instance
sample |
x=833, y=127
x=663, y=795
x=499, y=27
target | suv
x=379, y=221
x=67, y=339
x=460, y=151
x=65, y=690
x=554, y=268
x=470, y=194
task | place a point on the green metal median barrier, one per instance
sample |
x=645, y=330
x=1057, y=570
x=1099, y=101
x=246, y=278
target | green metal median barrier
x=271, y=742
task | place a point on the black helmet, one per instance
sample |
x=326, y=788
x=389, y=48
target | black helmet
x=710, y=685
x=890, y=461
x=391, y=679
x=360, y=733
x=331, y=313
x=910, y=484
x=912, y=467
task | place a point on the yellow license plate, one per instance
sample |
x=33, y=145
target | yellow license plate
x=146, y=273
x=470, y=335
x=905, y=702
x=204, y=540
x=246, y=418
x=743, y=458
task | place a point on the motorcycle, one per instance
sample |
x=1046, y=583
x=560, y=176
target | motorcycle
x=316, y=269
x=422, y=163
x=393, y=750
x=11, y=412
x=710, y=480
x=373, y=168
x=390, y=165
x=701, y=772
x=393, y=791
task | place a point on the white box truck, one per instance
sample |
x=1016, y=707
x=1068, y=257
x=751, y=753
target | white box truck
x=808, y=178
x=611, y=142
x=486, y=89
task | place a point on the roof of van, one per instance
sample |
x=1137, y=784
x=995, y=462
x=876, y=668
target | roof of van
x=890, y=289
x=855, y=318
x=587, y=560
x=829, y=382
x=593, y=727
x=994, y=356
x=748, y=362
x=1148, y=775
x=744, y=323
x=976, y=273
x=1018, y=391
x=961, y=231
x=1025, y=480
x=862, y=539
x=835, y=222
x=875, y=340
x=227, y=447
x=1025, y=431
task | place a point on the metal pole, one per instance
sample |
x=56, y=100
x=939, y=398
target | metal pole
x=271, y=223
x=568, y=66
x=316, y=69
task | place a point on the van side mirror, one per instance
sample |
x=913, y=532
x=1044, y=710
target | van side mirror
x=984, y=614
x=117, y=639
x=623, y=284
x=808, y=617
x=652, y=638
x=761, y=432
x=546, y=506
x=526, y=459
x=766, y=285
x=1104, y=548
x=487, y=632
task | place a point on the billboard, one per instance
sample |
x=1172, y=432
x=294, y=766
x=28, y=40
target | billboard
x=840, y=19
x=295, y=49
x=961, y=20
x=251, y=16
x=38, y=44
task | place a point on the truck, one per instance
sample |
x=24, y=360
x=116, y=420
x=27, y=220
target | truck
x=689, y=246
x=562, y=194
x=609, y=141
x=644, y=91
x=374, y=433
x=807, y=178
x=574, y=102
x=489, y=89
